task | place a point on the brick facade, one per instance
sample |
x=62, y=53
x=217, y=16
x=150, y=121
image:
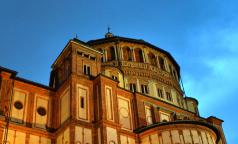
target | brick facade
x=80, y=106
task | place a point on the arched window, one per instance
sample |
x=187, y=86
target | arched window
x=152, y=59
x=161, y=63
x=112, y=54
x=139, y=55
x=127, y=54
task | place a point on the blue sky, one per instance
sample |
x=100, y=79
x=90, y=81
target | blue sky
x=202, y=36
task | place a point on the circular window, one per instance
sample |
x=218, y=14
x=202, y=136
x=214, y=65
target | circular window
x=18, y=105
x=41, y=111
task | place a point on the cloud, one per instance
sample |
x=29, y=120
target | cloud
x=214, y=56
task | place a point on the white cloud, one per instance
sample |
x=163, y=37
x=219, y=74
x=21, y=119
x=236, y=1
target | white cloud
x=218, y=52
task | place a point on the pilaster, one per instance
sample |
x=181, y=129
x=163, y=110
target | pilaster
x=30, y=105
x=1, y=134
x=27, y=138
x=133, y=55
x=72, y=134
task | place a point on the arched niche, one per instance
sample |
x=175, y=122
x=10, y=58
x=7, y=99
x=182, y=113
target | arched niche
x=138, y=55
x=115, y=74
x=127, y=54
x=111, y=54
x=152, y=59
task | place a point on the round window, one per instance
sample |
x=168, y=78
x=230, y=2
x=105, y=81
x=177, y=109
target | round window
x=18, y=105
x=41, y=111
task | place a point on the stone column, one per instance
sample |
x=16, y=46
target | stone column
x=133, y=54
x=116, y=54
x=105, y=55
x=138, y=85
x=121, y=53
x=158, y=58
x=166, y=65
x=144, y=56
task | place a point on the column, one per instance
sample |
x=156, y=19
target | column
x=138, y=85
x=115, y=50
x=29, y=117
x=144, y=56
x=121, y=53
x=27, y=138
x=166, y=65
x=72, y=134
x=105, y=55
x=157, y=60
x=1, y=134
x=133, y=54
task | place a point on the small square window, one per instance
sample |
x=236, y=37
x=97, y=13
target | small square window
x=79, y=53
x=92, y=58
x=87, y=70
x=86, y=55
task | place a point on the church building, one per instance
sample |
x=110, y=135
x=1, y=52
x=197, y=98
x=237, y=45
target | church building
x=113, y=90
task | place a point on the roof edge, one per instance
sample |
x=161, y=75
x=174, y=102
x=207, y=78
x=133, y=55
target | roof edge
x=213, y=128
x=75, y=40
x=34, y=83
x=14, y=73
x=139, y=41
x=192, y=99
